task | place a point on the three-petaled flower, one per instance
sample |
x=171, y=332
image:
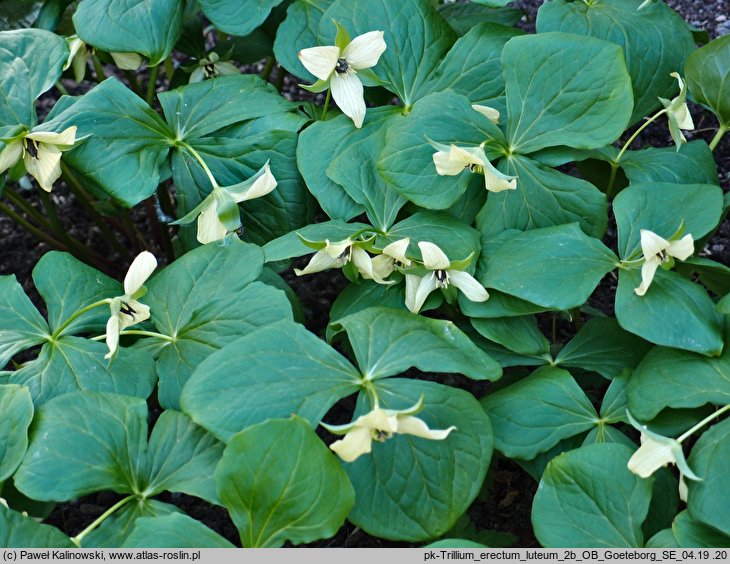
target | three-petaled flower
x=451, y=160
x=41, y=154
x=339, y=254
x=380, y=425
x=384, y=263
x=442, y=273
x=126, y=310
x=210, y=67
x=657, y=252
x=337, y=65
x=678, y=113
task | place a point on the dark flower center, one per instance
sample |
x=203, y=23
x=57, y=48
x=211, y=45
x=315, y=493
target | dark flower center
x=341, y=66
x=443, y=278
x=126, y=309
x=32, y=147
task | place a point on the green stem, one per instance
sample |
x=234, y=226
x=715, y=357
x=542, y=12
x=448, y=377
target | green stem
x=78, y=314
x=133, y=82
x=611, y=180
x=555, y=328
x=140, y=333
x=58, y=228
x=202, y=164
x=28, y=209
x=160, y=232
x=103, y=517
x=268, y=67
x=717, y=137
x=704, y=422
x=280, y=78
x=98, y=69
x=152, y=84
x=326, y=104
x=636, y=134
x=61, y=88
x=25, y=224
x=169, y=69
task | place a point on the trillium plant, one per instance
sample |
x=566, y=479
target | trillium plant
x=372, y=254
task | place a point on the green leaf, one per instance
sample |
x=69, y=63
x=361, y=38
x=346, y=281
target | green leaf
x=416, y=35
x=291, y=245
x=564, y=89
x=387, y=342
x=31, y=61
x=544, y=197
x=602, y=346
x=691, y=533
x=519, y=334
x=462, y=16
x=713, y=275
x=409, y=488
x=678, y=379
x=407, y=159
x=674, y=312
x=299, y=31
x=588, y=497
x=19, y=531
x=127, y=145
x=237, y=17
x=655, y=42
x=272, y=372
x=114, y=531
x=498, y=305
x=135, y=26
x=534, y=414
x=72, y=364
x=21, y=326
x=198, y=109
x=615, y=400
x=188, y=305
x=473, y=66
x=707, y=72
x=663, y=539
x=83, y=443
x=175, y=530
x=17, y=15
x=709, y=460
x=279, y=483
x=455, y=543
x=16, y=406
x=662, y=208
x=536, y=265
x=536, y=466
x=664, y=503
x=357, y=297
x=692, y=164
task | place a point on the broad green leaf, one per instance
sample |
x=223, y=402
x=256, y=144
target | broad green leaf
x=565, y=89
x=21, y=326
x=498, y=305
x=127, y=145
x=709, y=460
x=655, y=41
x=691, y=533
x=692, y=164
x=72, y=364
x=352, y=169
x=536, y=466
x=674, y=312
x=237, y=17
x=387, y=342
x=188, y=304
x=181, y=457
x=409, y=488
x=175, y=530
x=68, y=285
x=602, y=346
x=31, y=61
x=290, y=245
x=462, y=16
x=663, y=539
x=18, y=15
x=299, y=31
x=357, y=297
x=272, y=372
x=707, y=71
x=615, y=401
x=588, y=497
x=555, y=267
x=20, y=531
x=664, y=503
x=678, y=379
x=473, y=66
x=417, y=39
x=137, y=26
x=534, y=414
x=279, y=483
x=603, y=433
x=519, y=334
x=544, y=197
x=407, y=159
x=82, y=443
x=455, y=543
x=504, y=357
x=199, y=109
x=662, y=208
x=16, y=406
x=114, y=531
x=713, y=275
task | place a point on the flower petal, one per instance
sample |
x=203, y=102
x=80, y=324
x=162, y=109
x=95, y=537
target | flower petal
x=112, y=335
x=426, y=285
x=433, y=257
x=490, y=113
x=356, y=443
x=446, y=166
x=65, y=139
x=127, y=61
x=470, y=287
x=348, y=93
x=651, y=456
x=496, y=181
x=409, y=425
x=383, y=266
x=682, y=249
x=398, y=250
x=139, y=271
x=468, y=155
x=651, y=243
x=412, y=283
x=210, y=227
x=46, y=167
x=364, y=51
x=140, y=313
x=10, y=155
x=648, y=269
x=263, y=184
x=321, y=260
x=320, y=61
x=364, y=264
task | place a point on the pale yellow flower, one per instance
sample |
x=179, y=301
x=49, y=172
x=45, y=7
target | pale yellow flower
x=678, y=113
x=658, y=251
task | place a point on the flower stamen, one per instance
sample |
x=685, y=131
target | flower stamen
x=342, y=66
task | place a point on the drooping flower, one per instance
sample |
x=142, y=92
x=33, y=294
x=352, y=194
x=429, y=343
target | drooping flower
x=210, y=67
x=657, y=451
x=126, y=310
x=678, y=113
x=41, y=154
x=490, y=113
x=127, y=61
x=451, y=160
x=218, y=213
x=380, y=425
x=395, y=252
x=340, y=253
x=337, y=66
x=442, y=273
x=658, y=251
x=78, y=55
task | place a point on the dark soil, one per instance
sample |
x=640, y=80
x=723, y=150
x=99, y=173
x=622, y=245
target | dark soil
x=505, y=502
